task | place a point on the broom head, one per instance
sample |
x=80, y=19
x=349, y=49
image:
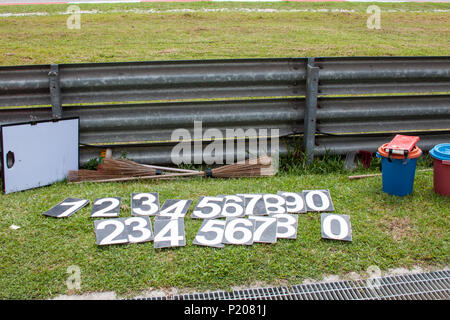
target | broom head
x=112, y=169
x=88, y=175
x=125, y=168
x=256, y=167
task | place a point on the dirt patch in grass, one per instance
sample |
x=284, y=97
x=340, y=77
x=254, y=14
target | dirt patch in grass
x=399, y=228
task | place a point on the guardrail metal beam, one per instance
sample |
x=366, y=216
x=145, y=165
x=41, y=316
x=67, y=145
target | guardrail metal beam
x=301, y=87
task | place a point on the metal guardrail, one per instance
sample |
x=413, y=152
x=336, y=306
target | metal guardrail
x=289, y=94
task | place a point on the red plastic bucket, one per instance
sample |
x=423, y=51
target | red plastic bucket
x=441, y=179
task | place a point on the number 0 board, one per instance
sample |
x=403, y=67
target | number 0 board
x=336, y=227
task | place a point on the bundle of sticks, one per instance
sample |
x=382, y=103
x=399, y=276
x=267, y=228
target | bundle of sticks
x=110, y=170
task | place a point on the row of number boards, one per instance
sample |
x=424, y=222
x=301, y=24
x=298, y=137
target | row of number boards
x=269, y=217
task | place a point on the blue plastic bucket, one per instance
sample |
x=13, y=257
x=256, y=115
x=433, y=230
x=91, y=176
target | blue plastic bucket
x=398, y=174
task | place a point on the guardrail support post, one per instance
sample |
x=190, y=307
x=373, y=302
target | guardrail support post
x=55, y=91
x=312, y=89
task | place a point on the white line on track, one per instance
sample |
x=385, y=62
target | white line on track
x=212, y=10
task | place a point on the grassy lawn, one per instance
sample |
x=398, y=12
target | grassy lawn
x=388, y=231
x=121, y=34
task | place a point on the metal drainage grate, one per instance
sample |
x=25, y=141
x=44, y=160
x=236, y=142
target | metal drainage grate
x=422, y=286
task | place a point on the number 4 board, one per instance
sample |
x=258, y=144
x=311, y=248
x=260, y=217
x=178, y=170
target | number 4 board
x=169, y=233
x=174, y=208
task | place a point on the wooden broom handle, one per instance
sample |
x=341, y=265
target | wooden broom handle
x=364, y=176
x=161, y=176
x=170, y=169
x=379, y=174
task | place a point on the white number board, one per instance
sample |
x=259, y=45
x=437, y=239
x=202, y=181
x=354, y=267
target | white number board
x=38, y=153
x=208, y=208
x=234, y=207
x=295, y=201
x=169, y=233
x=265, y=230
x=318, y=200
x=123, y=230
x=274, y=203
x=66, y=208
x=106, y=207
x=254, y=204
x=174, y=209
x=210, y=233
x=336, y=227
x=144, y=204
x=286, y=225
x=238, y=231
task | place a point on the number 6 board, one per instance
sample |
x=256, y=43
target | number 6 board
x=238, y=231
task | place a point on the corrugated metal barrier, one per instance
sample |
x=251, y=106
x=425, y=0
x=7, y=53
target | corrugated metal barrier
x=336, y=104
